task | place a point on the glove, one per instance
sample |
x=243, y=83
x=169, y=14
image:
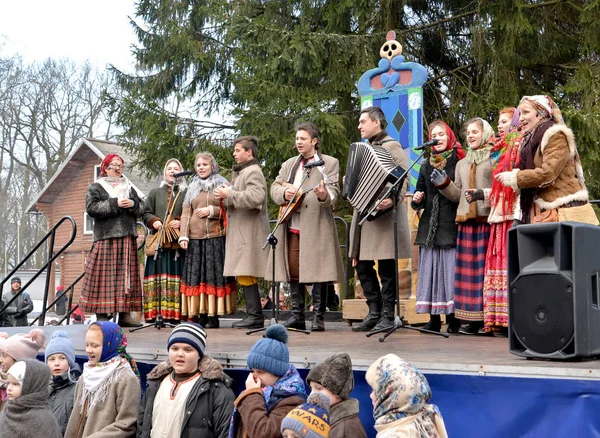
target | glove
x=473, y=195
x=437, y=177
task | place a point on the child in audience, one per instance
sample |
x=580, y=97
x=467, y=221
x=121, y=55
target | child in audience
x=273, y=388
x=189, y=395
x=15, y=348
x=311, y=420
x=400, y=395
x=334, y=378
x=107, y=395
x=60, y=358
x=26, y=412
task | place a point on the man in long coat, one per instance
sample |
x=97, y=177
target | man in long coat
x=247, y=227
x=374, y=240
x=308, y=251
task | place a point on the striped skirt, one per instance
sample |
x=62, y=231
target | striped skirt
x=112, y=277
x=435, y=288
x=495, y=285
x=471, y=247
x=205, y=289
x=163, y=274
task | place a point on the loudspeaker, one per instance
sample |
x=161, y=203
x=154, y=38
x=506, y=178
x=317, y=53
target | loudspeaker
x=554, y=290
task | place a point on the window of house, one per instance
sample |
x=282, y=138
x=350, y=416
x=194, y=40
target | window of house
x=96, y=172
x=88, y=224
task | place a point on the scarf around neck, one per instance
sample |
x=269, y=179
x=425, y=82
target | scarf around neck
x=98, y=378
x=119, y=188
x=202, y=185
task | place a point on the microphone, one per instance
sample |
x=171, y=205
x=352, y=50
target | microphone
x=184, y=173
x=314, y=164
x=427, y=144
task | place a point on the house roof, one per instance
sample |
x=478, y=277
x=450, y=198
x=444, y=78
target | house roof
x=88, y=148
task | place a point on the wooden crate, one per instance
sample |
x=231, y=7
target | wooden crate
x=356, y=310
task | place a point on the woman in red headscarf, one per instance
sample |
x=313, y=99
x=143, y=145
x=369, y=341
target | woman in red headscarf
x=112, y=280
x=436, y=235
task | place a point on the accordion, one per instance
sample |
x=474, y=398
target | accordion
x=370, y=170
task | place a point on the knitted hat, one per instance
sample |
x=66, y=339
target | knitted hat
x=335, y=374
x=15, y=280
x=189, y=333
x=23, y=345
x=271, y=354
x=60, y=343
x=17, y=370
x=310, y=420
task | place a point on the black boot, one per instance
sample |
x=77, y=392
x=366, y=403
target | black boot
x=203, y=320
x=387, y=316
x=254, y=318
x=102, y=317
x=371, y=319
x=319, y=297
x=126, y=320
x=213, y=322
x=434, y=324
x=471, y=328
x=297, y=320
x=453, y=323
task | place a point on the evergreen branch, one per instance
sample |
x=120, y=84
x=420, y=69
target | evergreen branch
x=450, y=72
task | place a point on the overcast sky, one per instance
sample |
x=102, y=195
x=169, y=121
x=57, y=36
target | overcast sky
x=94, y=30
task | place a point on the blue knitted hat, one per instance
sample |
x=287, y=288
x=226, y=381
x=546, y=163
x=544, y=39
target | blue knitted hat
x=61, y=343
x=271, y=354
x=310, y=420
x=189, y=333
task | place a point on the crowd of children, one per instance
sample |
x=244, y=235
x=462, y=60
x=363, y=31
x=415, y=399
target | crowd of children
x=190, y=395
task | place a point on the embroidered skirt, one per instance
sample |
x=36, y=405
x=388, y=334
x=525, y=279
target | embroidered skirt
x=495, y=285
x=164, y=273
x=435, y=288
x=471, y=247
x=112, y=278
x=205, y=289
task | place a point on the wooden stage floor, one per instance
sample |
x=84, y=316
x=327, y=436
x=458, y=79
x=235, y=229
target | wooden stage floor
x=459, y=354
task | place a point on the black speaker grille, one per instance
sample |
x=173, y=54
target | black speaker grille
x=541, y=312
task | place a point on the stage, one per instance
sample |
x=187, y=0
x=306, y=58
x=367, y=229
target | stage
x=480, y=388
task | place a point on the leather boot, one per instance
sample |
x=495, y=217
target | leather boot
x=434, y=324
x=193, y=318
x=254, y=318
x=126, y=320
x=297, y=320
x=319, y=298
x=453, y=323
x=203, y=319
x=371, y=319
x=213, y=322
x=102, y=317
x=387, y=316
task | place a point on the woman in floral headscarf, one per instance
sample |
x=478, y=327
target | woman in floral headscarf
x=550, y=176
x=206, y=293
x=436, y=235
x=474, y=172
x=400, y=401
x=112, y=279
x=166, y=198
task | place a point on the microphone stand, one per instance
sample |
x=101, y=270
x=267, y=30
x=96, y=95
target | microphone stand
x=272, y=240
x=392, y=192
x=159, y=321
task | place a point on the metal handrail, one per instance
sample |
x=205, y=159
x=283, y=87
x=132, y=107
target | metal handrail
x=50, y=235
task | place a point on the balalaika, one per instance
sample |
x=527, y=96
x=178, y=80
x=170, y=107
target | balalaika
x=369, y=171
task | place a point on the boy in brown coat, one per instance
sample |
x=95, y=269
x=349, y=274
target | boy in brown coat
x=334, y=378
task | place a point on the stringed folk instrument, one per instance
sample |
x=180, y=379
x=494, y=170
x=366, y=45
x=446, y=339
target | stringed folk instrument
x=295, y=202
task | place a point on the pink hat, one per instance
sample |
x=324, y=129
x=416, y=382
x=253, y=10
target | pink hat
x=23, y=345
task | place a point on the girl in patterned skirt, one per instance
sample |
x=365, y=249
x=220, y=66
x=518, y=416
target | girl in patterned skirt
x=206, y=293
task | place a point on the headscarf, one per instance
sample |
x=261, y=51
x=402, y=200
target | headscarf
x=208, y=184
x=114, y=343
x=165, y=180
x=401, y=395
x=107, y=160
x=545, y=106
x=438, y=159
x=487, y=141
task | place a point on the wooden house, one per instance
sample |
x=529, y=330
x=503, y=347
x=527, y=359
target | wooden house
x=64, y=195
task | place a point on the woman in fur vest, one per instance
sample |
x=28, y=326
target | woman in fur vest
x=550, y=176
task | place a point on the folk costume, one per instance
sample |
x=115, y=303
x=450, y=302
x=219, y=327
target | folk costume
x=436, y=234
x=308, y=251
x=504, y=157
x=550, y=176
x=204, y=288
x=112, y=280
x=167, y=276
x=473, y=172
